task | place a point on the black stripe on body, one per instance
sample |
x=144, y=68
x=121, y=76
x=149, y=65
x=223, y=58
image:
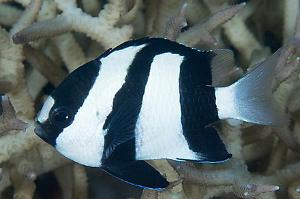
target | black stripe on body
x=128, y=100
x=197, y=101
x=198, y=107
x=71, y=94
x=119, y=142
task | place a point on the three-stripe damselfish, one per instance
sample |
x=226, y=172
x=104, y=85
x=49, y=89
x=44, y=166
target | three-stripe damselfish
x=152, y=98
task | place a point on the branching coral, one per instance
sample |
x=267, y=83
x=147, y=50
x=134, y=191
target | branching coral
x=74, y=18
x=8, y=120
x=41, y=41
x=202, y=31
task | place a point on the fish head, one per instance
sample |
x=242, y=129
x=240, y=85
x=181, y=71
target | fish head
x=52, y=119
x=68, y=119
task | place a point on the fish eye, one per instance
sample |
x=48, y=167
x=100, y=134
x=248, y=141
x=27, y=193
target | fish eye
x=61, y=117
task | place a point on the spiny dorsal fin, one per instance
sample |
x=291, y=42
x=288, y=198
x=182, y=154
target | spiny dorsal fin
x=223, y=69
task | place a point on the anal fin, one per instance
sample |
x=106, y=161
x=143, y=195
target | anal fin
x=207, y=143
x=138, y=173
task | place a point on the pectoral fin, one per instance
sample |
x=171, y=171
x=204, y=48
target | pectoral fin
x=137, y=173
x=120, y=124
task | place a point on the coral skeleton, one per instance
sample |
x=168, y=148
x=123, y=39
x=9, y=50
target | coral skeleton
x=42, y=41
x=8, y=120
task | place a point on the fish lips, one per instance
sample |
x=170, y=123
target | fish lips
x=47, y=132
x=39, y=131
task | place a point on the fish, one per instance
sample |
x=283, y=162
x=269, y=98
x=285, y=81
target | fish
x=151, y=99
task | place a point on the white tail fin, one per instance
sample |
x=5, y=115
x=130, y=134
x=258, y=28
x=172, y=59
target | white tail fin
x=250, y=98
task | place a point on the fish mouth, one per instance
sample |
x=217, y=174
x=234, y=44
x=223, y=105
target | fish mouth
x=39, y=131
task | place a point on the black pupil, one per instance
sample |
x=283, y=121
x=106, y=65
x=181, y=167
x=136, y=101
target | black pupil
x=61, y=116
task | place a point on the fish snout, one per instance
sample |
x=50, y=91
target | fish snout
x=39, y=131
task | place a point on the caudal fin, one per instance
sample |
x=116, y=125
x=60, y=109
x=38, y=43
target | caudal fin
x=250, y=98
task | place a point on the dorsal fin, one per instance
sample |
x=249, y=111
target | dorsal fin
x=223, y=69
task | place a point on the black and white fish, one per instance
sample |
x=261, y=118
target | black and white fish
x=148, y=99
